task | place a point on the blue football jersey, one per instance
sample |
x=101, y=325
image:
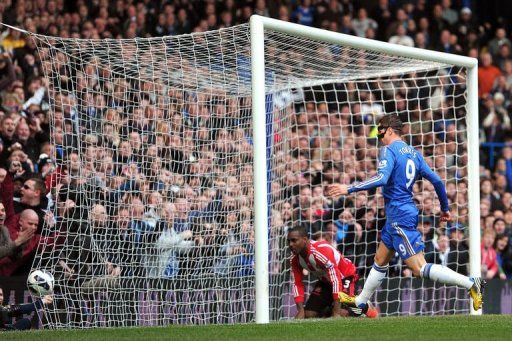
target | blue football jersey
x=399, y=166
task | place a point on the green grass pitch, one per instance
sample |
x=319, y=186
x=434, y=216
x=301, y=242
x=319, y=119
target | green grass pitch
x=487, y=327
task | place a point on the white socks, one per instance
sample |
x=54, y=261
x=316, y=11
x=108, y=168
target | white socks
x=375, y=277
x=434, y=272
x=445, y=275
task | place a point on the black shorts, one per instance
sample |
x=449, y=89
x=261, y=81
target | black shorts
x=320, y=299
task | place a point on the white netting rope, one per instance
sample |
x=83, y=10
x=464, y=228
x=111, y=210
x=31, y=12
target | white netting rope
x=154, y=217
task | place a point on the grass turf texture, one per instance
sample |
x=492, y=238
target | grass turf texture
x=487, y=327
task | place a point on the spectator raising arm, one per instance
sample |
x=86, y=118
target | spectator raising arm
x=7, y=312
x=12, y=248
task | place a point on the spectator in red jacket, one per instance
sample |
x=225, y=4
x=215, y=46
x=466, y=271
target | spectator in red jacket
x=489, y=263
x=8, y=247
x=487, y=74
x=28, y=221
x=6, y=196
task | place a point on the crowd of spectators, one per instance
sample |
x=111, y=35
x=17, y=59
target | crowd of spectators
x=177, y=178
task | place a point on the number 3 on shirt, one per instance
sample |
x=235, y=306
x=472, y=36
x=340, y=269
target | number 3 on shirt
x=410, y=172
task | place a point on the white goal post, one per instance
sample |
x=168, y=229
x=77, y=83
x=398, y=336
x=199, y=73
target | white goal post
x=259, y=25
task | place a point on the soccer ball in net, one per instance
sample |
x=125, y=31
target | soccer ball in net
x=40, y=282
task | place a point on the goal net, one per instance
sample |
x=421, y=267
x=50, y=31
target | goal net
x=155, y=213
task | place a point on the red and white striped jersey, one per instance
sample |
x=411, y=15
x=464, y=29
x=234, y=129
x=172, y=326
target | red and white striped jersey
x=324, y=262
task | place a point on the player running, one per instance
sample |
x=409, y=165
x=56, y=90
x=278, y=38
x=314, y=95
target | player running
x=334, y=272
x=398, y=168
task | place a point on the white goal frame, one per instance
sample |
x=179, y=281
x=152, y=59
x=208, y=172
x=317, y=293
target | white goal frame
x=258, y=25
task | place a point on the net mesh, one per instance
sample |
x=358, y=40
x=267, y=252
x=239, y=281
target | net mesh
x=154, y=185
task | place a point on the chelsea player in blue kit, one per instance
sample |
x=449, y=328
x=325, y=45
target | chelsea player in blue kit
x=398, y=168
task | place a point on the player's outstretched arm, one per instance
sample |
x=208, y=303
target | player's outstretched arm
x=446, y=216
x=384, y=169
x=336, y=190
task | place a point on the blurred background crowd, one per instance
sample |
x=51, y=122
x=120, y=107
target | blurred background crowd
x=177, y=178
